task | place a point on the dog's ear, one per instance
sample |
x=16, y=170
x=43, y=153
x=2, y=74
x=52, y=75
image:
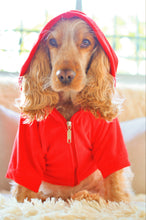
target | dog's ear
x=99, y=71
x=36, y=100
x=99, y=95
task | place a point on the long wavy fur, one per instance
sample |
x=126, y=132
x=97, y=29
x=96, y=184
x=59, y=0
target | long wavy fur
x=98, y=96
x=36, y=102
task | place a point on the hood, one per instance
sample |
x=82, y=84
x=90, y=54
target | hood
x=100, y=36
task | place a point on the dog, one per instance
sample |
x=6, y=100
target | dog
x=69, y=72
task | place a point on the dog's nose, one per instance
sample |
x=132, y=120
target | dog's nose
x=65, y=76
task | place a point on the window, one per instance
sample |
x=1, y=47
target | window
x=123, y=23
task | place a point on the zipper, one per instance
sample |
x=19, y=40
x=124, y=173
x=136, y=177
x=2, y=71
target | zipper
x=69, y=141
x=69, y=136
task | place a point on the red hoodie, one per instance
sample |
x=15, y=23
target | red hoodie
x=65, y=153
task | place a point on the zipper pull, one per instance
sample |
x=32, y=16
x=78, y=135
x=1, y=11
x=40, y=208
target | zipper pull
x=68, y=132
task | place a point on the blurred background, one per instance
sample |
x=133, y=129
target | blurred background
x=123, y=23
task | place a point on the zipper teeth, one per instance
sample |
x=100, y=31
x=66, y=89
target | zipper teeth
x=69, y=136
x=69, y=141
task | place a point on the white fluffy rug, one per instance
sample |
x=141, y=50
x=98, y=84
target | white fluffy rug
x=51, y=210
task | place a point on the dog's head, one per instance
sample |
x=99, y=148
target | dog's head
x=69, y=60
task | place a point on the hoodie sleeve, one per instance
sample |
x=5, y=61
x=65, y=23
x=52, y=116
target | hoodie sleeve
x=109, y=150
x=27, y=162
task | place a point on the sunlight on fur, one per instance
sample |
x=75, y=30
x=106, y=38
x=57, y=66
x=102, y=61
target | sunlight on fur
x=93, y=82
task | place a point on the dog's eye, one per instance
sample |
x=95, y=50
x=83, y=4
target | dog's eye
x=53, y=42
x=85, y=43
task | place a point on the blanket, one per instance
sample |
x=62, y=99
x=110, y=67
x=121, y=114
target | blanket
x=54, y=210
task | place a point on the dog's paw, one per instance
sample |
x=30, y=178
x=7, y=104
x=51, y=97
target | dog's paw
x=42, y=196
x=80, y=195
x=85, y=195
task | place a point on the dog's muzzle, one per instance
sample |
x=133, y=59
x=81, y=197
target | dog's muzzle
x=65, y=76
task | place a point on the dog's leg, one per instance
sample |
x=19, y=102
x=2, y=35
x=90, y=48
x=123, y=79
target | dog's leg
x=21, y=193
x=115, y=187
